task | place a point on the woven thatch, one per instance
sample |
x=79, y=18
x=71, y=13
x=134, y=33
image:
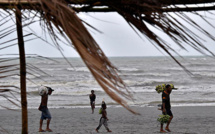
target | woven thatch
x=59, y=19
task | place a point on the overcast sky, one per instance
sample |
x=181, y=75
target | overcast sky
x=117, y=39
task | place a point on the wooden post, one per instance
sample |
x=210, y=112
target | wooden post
x=22, y=71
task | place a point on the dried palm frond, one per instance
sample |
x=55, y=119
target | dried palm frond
x=58, y=18
x=9, y=68
x=61, y=19
x=140, y=14
x=3, y=130
x=8, y=92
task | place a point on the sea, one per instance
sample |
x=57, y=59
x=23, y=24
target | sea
x=72, y=82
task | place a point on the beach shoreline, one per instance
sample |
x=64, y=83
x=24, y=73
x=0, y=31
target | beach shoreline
x=190, y=120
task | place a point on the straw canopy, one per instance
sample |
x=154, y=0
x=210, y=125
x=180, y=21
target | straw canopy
x=59, y=16
x=59, y=19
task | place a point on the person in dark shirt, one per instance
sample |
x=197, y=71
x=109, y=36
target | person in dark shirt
x=166, y=107
x=92, y=100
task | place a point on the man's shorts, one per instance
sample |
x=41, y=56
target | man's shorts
x=169, y=112
x=92, y=103
x=45, y=113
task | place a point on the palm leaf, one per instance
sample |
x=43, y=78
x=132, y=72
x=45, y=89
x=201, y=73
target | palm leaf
x=65, y=20
x=58, y=18
x=61, y=20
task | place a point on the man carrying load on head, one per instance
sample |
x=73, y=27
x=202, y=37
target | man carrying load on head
x=166, y=107
x=44, y=92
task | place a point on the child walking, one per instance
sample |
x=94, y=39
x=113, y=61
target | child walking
x=103, y=119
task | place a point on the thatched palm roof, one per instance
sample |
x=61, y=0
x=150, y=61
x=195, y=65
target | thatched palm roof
x=60, y=19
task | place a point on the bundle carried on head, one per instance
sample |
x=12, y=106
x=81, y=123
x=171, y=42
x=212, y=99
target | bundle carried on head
x=173, y=87
x=44, y=90
x=161, y=88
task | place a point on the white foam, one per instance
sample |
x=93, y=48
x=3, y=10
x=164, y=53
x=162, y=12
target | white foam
x=128, y=69
x=70, y=69
x=148, y=74
x=79, y=69
x=176, y=69
x=203, y=74
x=16, y=77
x=33, y=76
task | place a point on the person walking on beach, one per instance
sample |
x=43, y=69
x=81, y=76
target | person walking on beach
x=166, y=107
x=44, y=109
x=92, y=100
x=103, y=119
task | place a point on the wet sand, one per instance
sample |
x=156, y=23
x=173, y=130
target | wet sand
x=187, y=120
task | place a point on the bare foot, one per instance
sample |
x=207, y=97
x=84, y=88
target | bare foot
x=109, y=131
x=49, y=130
x=97, y=131
x=162, y=131
x=40, y=130
x=167, y=129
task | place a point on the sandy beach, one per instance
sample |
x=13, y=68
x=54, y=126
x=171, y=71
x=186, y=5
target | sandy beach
x=187, y=120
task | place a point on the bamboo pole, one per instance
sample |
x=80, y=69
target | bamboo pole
x=22, y=70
